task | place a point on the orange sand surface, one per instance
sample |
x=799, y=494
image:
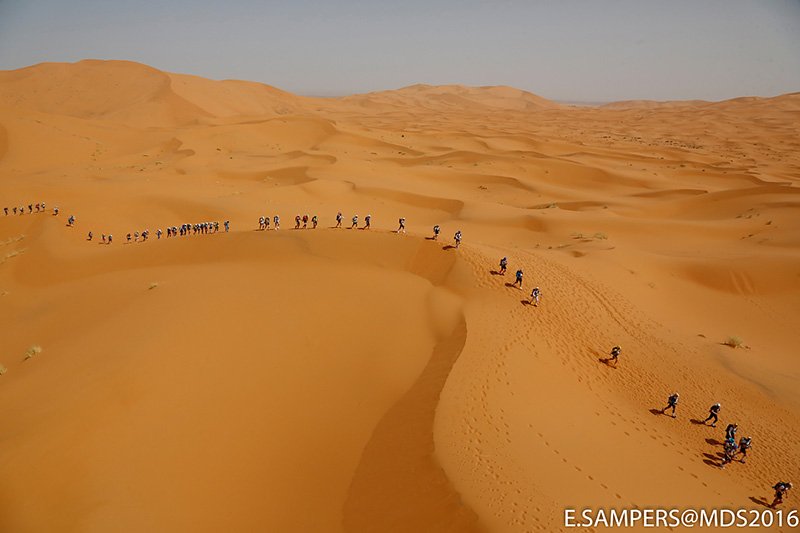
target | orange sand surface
x=362, y=380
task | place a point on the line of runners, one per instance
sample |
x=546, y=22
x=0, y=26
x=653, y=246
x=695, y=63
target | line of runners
x=302, y=221
x=38, y=207
x=730, y=447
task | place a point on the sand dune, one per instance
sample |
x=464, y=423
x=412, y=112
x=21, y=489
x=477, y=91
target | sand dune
x=452, y=98
x=653, y=104
x=360, y=380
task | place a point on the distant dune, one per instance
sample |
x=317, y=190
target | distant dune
x=652, y=104
x=363, y=380
x=135, y=94
x=455, y=98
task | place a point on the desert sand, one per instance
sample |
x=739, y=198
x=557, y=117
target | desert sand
x=362, y=380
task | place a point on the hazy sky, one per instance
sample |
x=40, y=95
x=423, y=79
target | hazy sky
x=567, y=50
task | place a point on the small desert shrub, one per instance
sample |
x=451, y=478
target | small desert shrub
x=585, y=236
x=734, y=342
x=3, y=370
x=152, y=286
x=33, y=350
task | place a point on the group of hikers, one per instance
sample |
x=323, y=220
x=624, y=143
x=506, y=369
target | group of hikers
x=354, y=221
x=173, y=231
x=38, y=207
x=436, y=230
x=302, y=221
x=536, y=293
x=731, y=449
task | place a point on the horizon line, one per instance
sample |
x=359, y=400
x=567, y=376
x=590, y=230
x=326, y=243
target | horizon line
x=314, y=94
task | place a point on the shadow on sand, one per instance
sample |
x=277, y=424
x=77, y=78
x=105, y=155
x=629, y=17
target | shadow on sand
x=607, y=361
x=697, y=422
x=760, y=501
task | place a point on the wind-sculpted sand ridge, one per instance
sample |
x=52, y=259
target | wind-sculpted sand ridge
x=363, y=380
x=225, y=397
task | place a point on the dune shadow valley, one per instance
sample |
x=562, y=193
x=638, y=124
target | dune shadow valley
x=190, y=343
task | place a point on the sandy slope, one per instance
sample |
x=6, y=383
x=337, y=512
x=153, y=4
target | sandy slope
x=352, y=380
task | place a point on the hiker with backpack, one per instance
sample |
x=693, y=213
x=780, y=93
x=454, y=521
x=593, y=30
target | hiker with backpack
x=615, y=351
x=781, y=488
x=535, y=293
x=672, y=402
x=729, y=450
x=745, y=443
x=503, y=266
x=713, y=414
